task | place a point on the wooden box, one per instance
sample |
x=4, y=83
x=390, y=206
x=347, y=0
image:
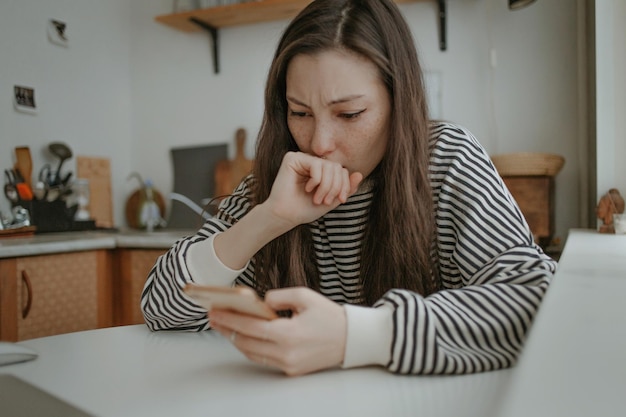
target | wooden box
x=535, y=197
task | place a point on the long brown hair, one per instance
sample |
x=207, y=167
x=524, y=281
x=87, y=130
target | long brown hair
x=397, y=246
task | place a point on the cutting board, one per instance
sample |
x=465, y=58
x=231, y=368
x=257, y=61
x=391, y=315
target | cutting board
x=24, y=164
x=229, y=173
x=98, y=172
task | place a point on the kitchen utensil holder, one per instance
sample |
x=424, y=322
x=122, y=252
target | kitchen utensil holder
x=50, y=216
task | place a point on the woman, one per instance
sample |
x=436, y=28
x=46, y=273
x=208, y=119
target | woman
x=390, y=238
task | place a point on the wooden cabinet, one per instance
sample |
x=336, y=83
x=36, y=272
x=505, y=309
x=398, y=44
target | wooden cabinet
x=535, y=198
x=51, y=294
x=133, y=267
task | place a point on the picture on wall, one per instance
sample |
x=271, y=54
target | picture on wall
x=56, y=32
x=24, y=99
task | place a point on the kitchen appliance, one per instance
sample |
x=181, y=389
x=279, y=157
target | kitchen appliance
x=194, y=178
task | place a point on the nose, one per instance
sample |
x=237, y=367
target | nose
x=323, y=138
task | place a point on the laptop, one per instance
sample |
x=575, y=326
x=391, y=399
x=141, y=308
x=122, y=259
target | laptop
x=19, y=398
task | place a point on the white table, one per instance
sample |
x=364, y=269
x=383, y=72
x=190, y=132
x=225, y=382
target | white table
x=573, y=364
x=574, y=361
x=129, y=371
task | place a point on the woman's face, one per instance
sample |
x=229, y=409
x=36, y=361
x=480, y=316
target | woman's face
x=338, y=109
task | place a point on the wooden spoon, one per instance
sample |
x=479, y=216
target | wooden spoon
x=24, y=164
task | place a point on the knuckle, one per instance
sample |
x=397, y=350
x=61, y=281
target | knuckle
x=290, y=361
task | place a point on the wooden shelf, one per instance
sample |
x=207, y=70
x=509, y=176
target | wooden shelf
x=239, y=14
x=213, y=18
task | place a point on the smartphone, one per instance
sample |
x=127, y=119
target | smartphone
x=240, y=299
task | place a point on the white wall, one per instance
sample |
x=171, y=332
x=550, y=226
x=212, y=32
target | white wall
x=131, y=88
x=611, y=95
x=82, y=91
x=531, y=92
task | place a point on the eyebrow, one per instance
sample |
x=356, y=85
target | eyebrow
x=336, y=101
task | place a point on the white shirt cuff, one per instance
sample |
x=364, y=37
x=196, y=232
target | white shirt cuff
x=370, y=332
x=206, y=268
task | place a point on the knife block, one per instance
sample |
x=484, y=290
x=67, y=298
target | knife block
x=49, y=216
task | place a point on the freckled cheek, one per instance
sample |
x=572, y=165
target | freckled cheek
x=359, y=143
x=370, y=136
x=300, y=134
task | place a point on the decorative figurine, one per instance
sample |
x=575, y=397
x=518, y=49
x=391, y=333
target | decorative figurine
x=609, y=204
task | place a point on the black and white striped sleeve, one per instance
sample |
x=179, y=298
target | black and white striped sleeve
x=163, y=303
x=493, y=275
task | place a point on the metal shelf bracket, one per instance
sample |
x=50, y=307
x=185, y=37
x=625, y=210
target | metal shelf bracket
x=442, y=24
x=214, y=41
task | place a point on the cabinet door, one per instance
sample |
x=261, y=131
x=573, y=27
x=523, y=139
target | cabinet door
x=535, y=197
x=54, y=294
x=134, y=266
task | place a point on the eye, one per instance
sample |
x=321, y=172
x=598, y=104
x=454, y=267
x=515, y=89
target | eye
x=352, y=115
x=294, y=113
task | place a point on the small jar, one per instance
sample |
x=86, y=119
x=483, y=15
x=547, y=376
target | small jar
x=619, y=223
x=81, y=192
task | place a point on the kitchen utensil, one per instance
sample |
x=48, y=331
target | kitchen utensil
x=40, y=191
x=66, y=179
x=10, y=177
x=10, y=191
x=45, y=175
x=16, y=182
x=24, y=191
x=17, y=177
x=53, y=193
x=24, y=164
x=63, y=152
x=228, y=174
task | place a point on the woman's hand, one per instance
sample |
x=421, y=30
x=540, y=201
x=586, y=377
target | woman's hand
x=307, y=187
x=314, y=338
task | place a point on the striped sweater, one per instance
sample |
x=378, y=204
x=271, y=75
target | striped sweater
x=493, y=276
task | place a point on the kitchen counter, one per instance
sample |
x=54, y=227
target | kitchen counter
x=48, y=243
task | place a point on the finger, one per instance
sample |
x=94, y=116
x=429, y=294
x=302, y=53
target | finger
x=294, y=298
x=329, y=190
x=270, y=359
x=325, y=182
x=345, y=186
x=226, y=332
x=226, y=321
x=315, y=175
x=355, y=180
x=336, y=186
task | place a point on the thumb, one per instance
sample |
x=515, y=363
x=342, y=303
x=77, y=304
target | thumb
x=355, y=180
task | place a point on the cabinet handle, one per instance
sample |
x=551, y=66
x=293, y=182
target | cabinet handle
x=29, y=294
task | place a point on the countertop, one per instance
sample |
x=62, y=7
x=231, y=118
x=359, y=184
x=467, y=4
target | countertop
x=573, y=362
x=48, y=243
